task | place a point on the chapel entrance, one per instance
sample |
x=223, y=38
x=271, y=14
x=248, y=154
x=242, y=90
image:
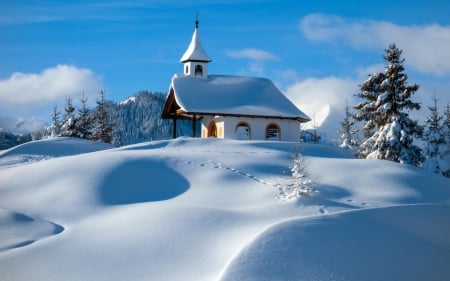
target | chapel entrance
x=212, y=130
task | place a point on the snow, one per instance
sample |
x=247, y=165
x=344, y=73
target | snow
x=195, y=51
x=206, y=209
x=235, y=95
x=128, y=100
x=45, y=149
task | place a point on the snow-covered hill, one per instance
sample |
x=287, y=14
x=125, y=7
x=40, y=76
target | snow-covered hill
x=206, y=209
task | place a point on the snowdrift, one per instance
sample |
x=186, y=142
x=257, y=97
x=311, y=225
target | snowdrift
x=205, y=209
x=408, y=242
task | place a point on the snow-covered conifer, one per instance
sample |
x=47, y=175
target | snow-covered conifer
x=55, y=127
x=68, y=128
x=388, y=129
x=435, y=140
x=85, y=119
x=103, y=128
x=348, y=133
x=445, y=165
x=300, y=182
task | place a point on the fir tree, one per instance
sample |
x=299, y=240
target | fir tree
x=104, y=129
x=388, y=129
x=445, y=166
x=300, y=182
x=348, y=133
x=434, y=138
x=366, y=111
x=85, y=120
x=68, y=128
x=55, y=128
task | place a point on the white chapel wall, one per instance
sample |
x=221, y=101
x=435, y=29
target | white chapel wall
x=226, y=128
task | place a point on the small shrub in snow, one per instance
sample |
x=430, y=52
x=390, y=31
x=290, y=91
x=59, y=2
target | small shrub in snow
x=300, y=182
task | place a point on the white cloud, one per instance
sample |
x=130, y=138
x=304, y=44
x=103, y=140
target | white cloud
x=252, y=54
x=364, y=72
x=426, y=48
x=30, y=93
x=323, y=100
x=257, y=58
x=312, y=93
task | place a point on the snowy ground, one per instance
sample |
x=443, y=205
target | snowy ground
x=205, y=209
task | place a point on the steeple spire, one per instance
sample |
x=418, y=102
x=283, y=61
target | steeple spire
x=195, y=59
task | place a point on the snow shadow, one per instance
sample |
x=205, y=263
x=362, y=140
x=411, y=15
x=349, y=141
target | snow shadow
x=19, y=230
x=327, y=196
x=408, y=242
x=307, y=149
x=141, y=181
x=146, y=145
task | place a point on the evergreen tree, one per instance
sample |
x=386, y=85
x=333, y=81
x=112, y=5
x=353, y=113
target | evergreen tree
x=434, y=138
x=445, y=165
x=300, y=182
x=103, y=127
x=366, y=111
x=55, y=128
x=388, y=129
x=85, y=120
x=68, y=128
x=348, y=133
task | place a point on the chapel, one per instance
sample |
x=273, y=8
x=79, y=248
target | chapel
x=228, y=106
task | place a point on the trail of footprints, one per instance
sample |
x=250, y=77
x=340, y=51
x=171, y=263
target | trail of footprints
x=217, y=165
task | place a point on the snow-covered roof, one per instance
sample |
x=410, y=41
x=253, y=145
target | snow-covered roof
x=195, y=51
x=229, y=96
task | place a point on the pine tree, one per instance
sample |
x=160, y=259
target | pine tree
x=55, y=128
x=104, y=129
x=434, y=138
x=388, y=129
x=68, y=128
x=300, y=182
x=348, y=133
x=85, y=120
x=445, y=165
x=366, y=110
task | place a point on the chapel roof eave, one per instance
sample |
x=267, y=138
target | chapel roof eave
x=190, y=114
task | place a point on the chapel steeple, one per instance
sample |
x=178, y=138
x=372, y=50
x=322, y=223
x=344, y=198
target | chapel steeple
x=195, y=59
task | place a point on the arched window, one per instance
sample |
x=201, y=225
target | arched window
x=186, y=70
x=198, y=70
x=243, y=131
x=212, y=130
x=273, y=132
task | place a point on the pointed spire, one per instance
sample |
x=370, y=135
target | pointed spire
x=195, y=51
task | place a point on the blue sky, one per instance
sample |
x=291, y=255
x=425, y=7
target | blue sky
x=317, y=52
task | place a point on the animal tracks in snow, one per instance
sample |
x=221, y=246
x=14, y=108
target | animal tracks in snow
x=218, y=165
x=356, y=202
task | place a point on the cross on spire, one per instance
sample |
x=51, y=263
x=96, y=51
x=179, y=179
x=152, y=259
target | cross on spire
x=196, y=19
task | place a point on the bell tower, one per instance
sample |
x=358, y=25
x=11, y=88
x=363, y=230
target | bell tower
x=195, y=60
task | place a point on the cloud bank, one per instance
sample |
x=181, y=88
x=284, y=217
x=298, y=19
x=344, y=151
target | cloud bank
x=30, y=93
x=252, y=54
x=256, y=58
x=321, y=95
x=426, y=48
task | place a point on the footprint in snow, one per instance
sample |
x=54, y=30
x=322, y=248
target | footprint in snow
x=323, y=210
